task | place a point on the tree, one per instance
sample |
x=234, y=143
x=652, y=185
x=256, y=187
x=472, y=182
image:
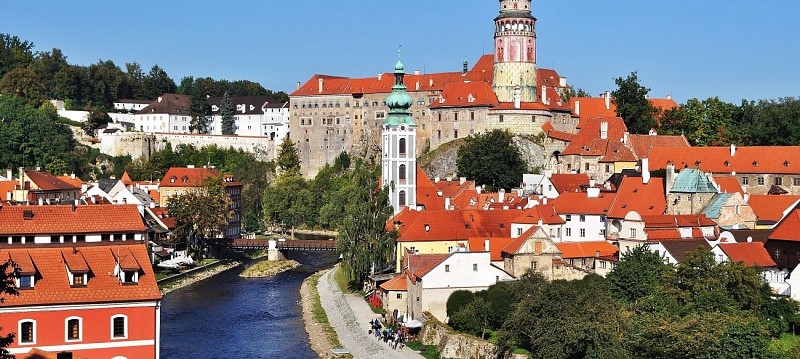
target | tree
x=492, y=159
x=200, y=114
x=473, y=318
x=364, y=243
x=288, y=201
x=9, y=272
x=226, y=112
x=632, y=105
x=199, y=214
x=14, y=53
x=458, y=300
x=157, y=83
x=97, y=119
x=288, y=160
x=636, y=275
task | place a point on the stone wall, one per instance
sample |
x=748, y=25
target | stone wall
x=139, y=144
x=450, y=344
x=443, y=163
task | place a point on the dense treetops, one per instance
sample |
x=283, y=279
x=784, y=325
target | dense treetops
x=491, y=159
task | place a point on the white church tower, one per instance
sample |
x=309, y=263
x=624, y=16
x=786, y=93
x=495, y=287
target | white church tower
x=399, y=157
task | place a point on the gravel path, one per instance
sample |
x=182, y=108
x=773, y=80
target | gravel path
x=349, y=315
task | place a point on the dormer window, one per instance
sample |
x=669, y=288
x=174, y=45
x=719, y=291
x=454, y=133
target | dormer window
x=173, y=179
x=127, y=268
x=184, y=179
x=26, y=282
x=79, y=279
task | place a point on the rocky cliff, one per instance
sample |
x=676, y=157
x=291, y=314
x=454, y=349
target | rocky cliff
x=441, y=162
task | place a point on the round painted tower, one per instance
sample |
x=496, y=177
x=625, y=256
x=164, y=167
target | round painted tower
x=515, y=51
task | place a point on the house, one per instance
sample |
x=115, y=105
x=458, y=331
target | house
x=636, y=197
x=262, y=116
x=38, y=186
x=674, y=252
x=493, y=245
x=584, y=214
x=432, y=278
x=170, y=113
x=534, y=251
x=596, y=256
x=754, y=254
x=535, y=184
x=542, y=215
x=394, y=293
x=769, y=209
x=653, y=229
x=569, y=182
x=784, y=241
x=182, y=180
x=131, y=105
x=86, y=282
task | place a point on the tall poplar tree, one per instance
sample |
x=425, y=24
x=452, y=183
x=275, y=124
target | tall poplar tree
x=226, y=111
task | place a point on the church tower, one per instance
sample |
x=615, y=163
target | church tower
x=399, y=160
x=515, y=51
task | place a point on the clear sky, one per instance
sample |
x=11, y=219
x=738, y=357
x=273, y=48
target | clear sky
x=733, y=49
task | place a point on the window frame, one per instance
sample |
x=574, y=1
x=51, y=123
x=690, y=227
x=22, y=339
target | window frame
x=124, y=327
x=67, y=329
x=20, y=332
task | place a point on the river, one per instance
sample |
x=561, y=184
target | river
x=226, y=316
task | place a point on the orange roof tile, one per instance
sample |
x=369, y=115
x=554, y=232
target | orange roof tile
x=496, y=245
x=751, y=253
x=789, y=228
x=164, y=217
x=755, y=159
x=48, y=182
x=5, y=187
x=442, y=225
x=52, y=285
x=74, y=260
x=633, y=195
x=75, y=182
x=466, y=94
x=398, y=283
x=420, y=264
x=642, y=144
x=126, y=179
x=572, y=250
x=676, y=220
x=771, y=207
x=514, y=246
x=187, y=177
x=587, y=141
x=545, y=212
x=593, y=107
x=153, y=193
x=580, y=203
x=70, y=220
x=569, y=182
x=729, y=184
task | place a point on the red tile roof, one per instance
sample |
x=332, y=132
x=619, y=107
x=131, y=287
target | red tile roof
x=751, y=253
x=675, y=221
x=789, y=228
x=569, y=182
x=170, y=104
x=593, y=107
x=164, y=217
x=420, y=264
x=75, y=182
x=48, y=182
x=514, y=246
x=427, y=193
x=52, y=284
x=453, y=188
x=755, y=159
x=398, y=283
x=193, y=177
x=587, y=141
x=633, y=195
x=729, y=184
x=466, y=94
x=442, y=225
x=5, y=187
x=770, y=207
x=65, y=219
x=580, y=203
x=153, y=193
x=642, y=144
x=545, y=212
x=496, y=245
x=572, y=250
x=126, y=179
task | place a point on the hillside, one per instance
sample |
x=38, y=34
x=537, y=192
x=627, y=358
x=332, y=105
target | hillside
x=441, y=162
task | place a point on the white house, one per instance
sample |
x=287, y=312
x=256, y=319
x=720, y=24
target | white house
x=539, y=184
x=170, y=113
x=432, y=281
x=131, y=105
x=584, y=214
x=261, y=116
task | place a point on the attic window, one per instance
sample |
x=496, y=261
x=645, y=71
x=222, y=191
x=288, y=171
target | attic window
x=755, y=163
x=184, y=179
x=466, y=225
x=427, y=227
x=173, y=179
x=786, y=163
x=27, y=214
x=624, y=205
x=697, y=163
x=502, y=225
x=727, y=163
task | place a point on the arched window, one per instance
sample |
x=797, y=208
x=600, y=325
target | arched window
x=402, y=146
x=402, y=174
x=119, y=326
x=402, y=196
x=73, y=329
x=27, y=332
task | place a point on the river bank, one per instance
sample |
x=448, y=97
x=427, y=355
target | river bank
x=195, y=275
x=264, y=269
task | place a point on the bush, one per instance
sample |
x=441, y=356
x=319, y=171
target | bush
x=458, y=300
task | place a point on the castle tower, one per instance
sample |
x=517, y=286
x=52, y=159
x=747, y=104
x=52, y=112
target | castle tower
x=515, y=51
x=399, y=160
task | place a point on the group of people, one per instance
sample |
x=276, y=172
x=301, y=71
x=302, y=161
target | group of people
x=394, y=338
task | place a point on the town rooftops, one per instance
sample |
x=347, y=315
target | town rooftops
x=644, y=198
x=581, y=203
x=171, y=104
x=642, y=144
x=420, y=264
x=569, y=182
x=48, y=182
x=676, y=221
x=789, y=228
x=594, y=107
x=246, y=105
x=769, y=209
x=692, y=180
x=192, y=177
x=751, y=253
x=466, y=94
x=496, y=245
x=679, y=249
x=572, y=250
x=52, y=278
x=398, y=283
x=66, y=219
x=754, y=159
x=544, y=212
x=589, y=140
x=443, y=225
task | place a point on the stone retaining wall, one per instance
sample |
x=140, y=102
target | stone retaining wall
x=450, y=344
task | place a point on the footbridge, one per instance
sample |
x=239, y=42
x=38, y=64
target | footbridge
x=297, y=245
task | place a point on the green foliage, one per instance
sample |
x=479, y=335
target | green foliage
x=288, y=201
x=97, y=118
x=156, y=83
x=200, y=214
x=9, y=272
x=474, y=318
x=458, y=300
x=288, y=160
x=31, y=136
x=636, y=275
x=492, y=159
x=226, y=112
x=632, y=105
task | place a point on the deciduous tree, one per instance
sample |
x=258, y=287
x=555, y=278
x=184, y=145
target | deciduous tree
x=491, y=159
x=200, y=214
x=632, y=105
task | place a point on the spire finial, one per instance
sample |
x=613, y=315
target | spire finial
x=399, y=51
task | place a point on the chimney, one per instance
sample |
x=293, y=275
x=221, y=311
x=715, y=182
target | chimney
x=625, y=137
x=430, y=82
x=462, y=180
x=486, y=245
x=9, y=174
x=159, y=99
x=439, y=193
x=592, y=183
x=669, y=97
x=41, y=201
x=478, y=189
x=501, y=195
x=77, y=202
x=321, y=83
x=416, y=72
x=544, y=200
x=152, y=204
x=544, y=95
x=578, y=108
x=539, y=223
x=548, y=173
x=604, y=130
x=84, y=188
x=447, y=203
x=562, y=82
x=72, y=176
x=607, y=97
x=670, y=177
x=597, y=254
x=645, y=170
x=9, y=196
x=298, y=85
x=436, y=179
x=517, y=97
x=593, y=192
x=380, y=76
x=733, y=149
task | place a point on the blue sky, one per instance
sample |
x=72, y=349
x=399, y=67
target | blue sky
x=733, y=49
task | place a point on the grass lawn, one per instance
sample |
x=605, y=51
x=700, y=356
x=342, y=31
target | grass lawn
x=785, y=344
x=427, y=351
x=341, y=280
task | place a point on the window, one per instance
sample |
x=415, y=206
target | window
x=569, y=218
x=501, y=118
x=534, y=264
x=587, y=166
x=402, y=198
x=402, y=173
x=78, y=280
x=455, y=133
x=474, y=267
x=25, y=282
x=582, y=233
x=633, y=232
x=760, y=181
x=399, y=295
x=119, y=327
x=73, y=329
x=402, y=146
x=519, y=232
x=582, y=218
x=537, y=247
x=27, y=331
x=778, y=181
x=602, y=264
x=105, y=237
x=796, y=181
x=569, y=232
x=438, y=133
x=472, y=115
x=455, y=116
x=446, y=267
